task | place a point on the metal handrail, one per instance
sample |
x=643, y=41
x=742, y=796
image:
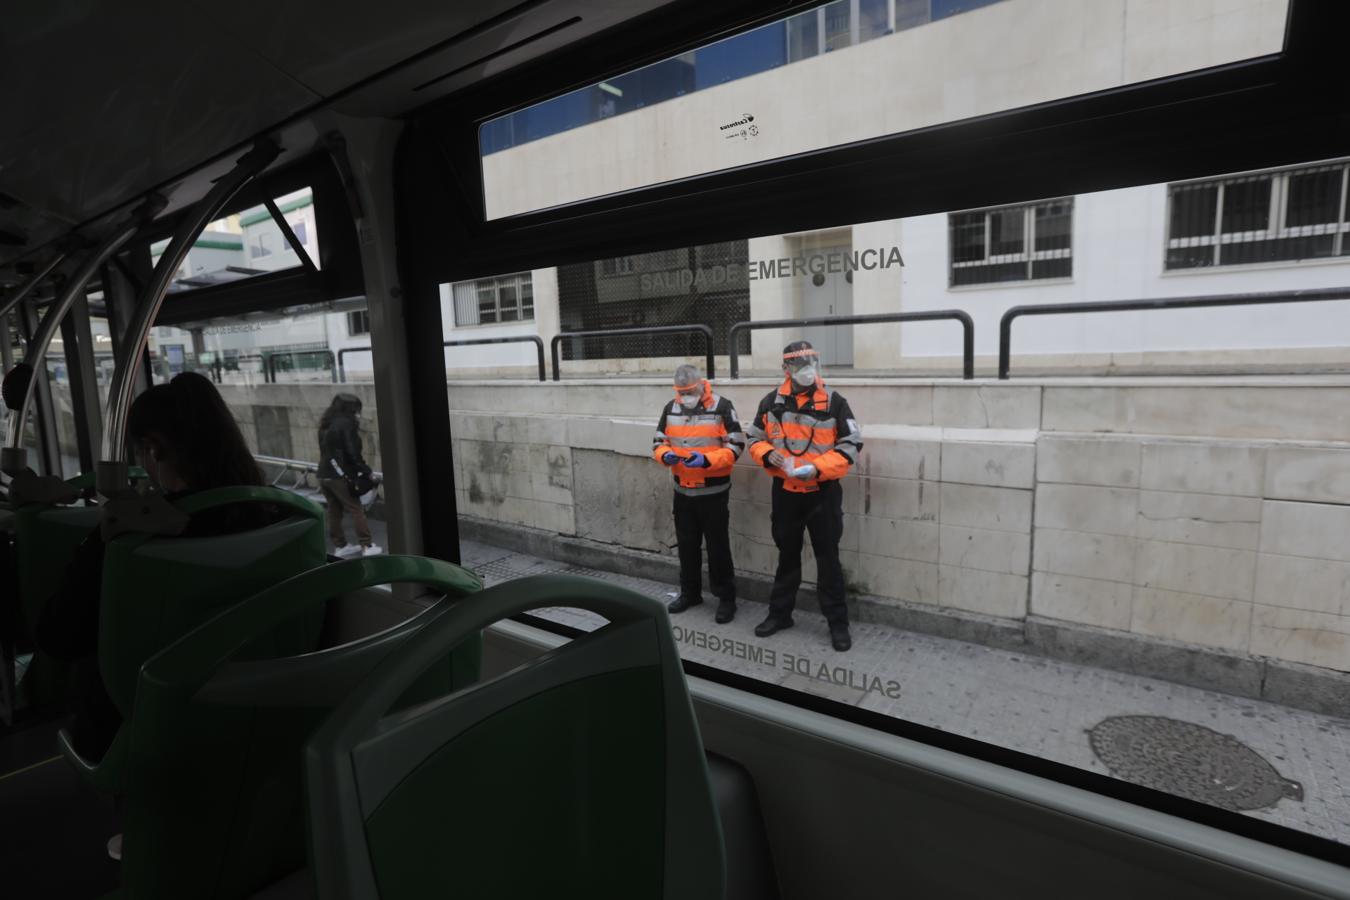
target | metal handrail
x=15, y=296
x=301, y=466
x=13, y=457
x=271, y=362
x=112, y=470
x=704, y=330
x=953, y=315
x=1053, y=309
x=518, y=339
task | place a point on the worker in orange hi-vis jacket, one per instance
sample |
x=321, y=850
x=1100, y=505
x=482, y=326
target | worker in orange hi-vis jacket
x=699, y=438
x=806, y=436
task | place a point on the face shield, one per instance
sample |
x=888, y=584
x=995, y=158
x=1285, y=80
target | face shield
x=689, y=395
x=803, y=367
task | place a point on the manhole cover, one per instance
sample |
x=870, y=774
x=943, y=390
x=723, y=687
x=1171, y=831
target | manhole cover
x=1190, y=761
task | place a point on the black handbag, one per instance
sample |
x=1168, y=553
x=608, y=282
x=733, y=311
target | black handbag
x=362, y=481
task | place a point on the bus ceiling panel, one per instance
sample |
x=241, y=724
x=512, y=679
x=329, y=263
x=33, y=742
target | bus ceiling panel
x=140, y=93
x=503, y=36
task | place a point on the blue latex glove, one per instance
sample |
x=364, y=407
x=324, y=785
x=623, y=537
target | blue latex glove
x=670, y=459
x=697, y=461
x=803, y=473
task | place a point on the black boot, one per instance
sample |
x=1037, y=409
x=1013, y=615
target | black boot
x=726, y=611
x=839, y=636
x=681, y=603
x=772, y=624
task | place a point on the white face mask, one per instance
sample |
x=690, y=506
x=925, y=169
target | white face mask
x=689, y=401
x=805, y=376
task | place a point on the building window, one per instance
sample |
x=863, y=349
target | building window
x=261, y=246
x=301, y=233
x=358, y=322
x=1266, y=217
x=508, y=298
x=1011, y=243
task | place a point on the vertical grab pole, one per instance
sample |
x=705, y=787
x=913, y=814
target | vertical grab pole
x=112, y=467
x=14, y=458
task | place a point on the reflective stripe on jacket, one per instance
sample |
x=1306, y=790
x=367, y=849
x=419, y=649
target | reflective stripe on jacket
x=815, y=427
x=711, y=428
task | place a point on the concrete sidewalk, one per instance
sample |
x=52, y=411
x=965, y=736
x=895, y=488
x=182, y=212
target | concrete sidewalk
x=1026, y=703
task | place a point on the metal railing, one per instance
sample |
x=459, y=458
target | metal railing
x=518, y=339
x=1055, y=309
x=300, y=471
x=291, y=354
x=709, y=372
x=953, y=315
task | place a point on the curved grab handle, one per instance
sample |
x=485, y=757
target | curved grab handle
x=226, y=496
x=399, y=671
x=108, y=775
x=187, y=664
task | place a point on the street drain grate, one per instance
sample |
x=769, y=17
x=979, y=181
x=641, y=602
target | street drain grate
x=1190, y=761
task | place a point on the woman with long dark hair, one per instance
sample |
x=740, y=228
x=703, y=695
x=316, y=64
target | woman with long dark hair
x=186, y=439
x=344, y=475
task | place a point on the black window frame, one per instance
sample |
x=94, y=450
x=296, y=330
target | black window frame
x=1177, y=128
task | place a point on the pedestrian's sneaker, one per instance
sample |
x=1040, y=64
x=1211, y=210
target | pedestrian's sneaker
x=372, y=550
x=347, y=551
x=681, y=603
x=726, y=611
x=840, y=638
x=772, y=624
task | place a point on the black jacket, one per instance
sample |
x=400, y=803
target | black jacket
x=340, y=444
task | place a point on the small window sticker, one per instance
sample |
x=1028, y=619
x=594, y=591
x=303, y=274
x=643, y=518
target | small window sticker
x=742, y=128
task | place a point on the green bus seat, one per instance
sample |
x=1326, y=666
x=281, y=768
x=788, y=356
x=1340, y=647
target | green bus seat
x=578, y=774
x=156, y=589
x=215, y=802
x=45, y=539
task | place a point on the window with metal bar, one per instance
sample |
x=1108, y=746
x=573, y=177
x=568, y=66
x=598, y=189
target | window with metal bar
x=1011, y=243
x=488, y=301
x=1280, y=216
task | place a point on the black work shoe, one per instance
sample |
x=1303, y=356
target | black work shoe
x=840, y=638
x=726, y=611
x=681, y=603
x=772, y=624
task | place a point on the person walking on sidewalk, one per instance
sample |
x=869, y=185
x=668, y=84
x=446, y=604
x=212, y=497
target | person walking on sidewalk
x=804, y=433
x=344, y=475
x=699, y=438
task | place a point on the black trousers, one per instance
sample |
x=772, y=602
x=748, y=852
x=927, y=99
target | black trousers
x=699, y=519
x=821, y=514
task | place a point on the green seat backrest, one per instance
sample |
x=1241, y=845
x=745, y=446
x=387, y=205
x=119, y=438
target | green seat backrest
x=156, y=589
x=579, y=774
x=214, y=807
x=45, y=539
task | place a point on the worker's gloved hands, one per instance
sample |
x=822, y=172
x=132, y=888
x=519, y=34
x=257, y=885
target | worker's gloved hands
x=803, y=473
x=670, y=459
x=776, y=459
x=697, y=461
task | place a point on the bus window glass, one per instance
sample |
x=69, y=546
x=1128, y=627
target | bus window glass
x=988, y=533
x=805, y=83
x=280, y=373
x=247, y=244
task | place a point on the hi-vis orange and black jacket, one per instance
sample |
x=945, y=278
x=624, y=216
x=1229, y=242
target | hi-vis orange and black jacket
x=711, y=428
x=815, y=427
